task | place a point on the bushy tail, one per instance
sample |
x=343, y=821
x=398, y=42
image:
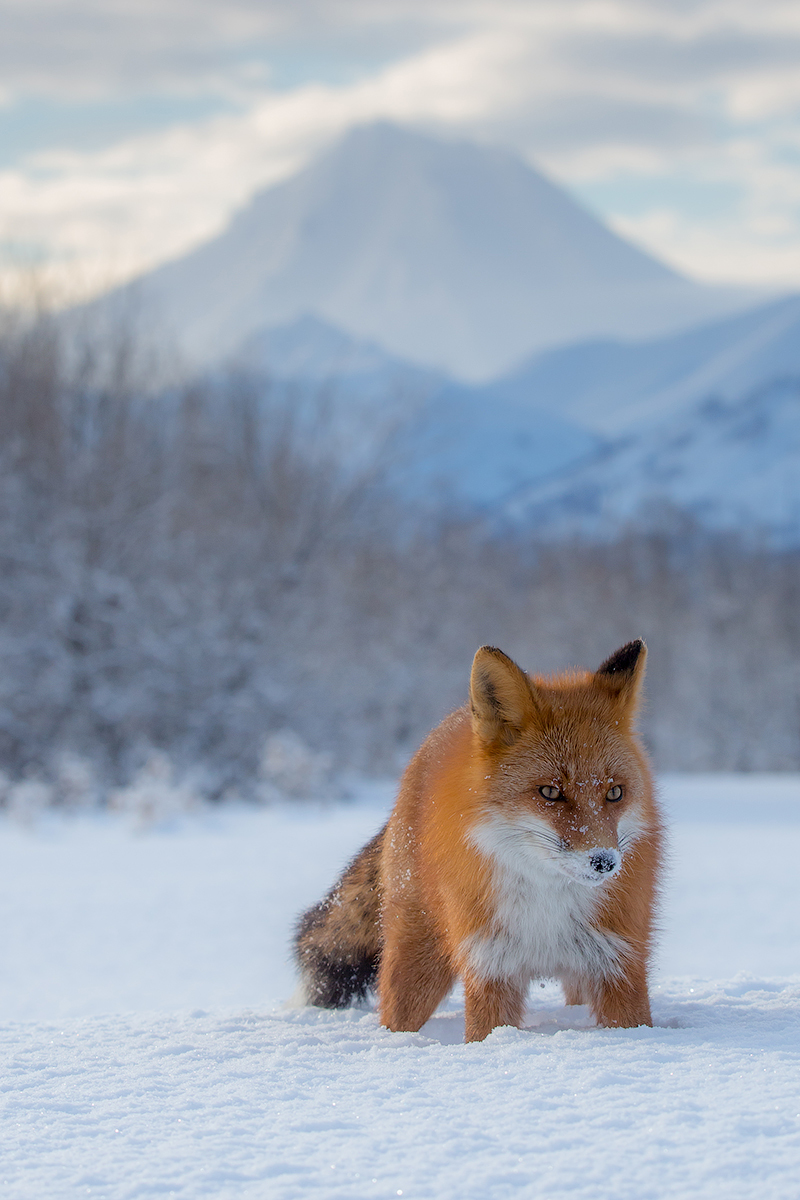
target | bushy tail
x=337, y=943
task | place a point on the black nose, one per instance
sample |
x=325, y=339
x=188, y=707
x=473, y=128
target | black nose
x=602, y=861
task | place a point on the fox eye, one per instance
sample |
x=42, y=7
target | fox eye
x=551, y=793
x=614, y=793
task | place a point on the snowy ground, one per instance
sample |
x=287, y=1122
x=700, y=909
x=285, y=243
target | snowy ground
x=145, y=1051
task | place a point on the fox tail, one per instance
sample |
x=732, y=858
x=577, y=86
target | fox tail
x=337, y=943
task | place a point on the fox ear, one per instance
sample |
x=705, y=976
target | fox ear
x=501, y=697
x=623, y=672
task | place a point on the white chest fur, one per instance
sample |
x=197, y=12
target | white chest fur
x=543, y=924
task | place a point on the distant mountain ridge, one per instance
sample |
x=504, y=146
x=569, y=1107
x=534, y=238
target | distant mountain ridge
x=452, y=255
x=730, y=465
x=469, y=455
x=439, y=442
x=396, y=272
x=611, y=386
x=586, y=439
x=310, y=348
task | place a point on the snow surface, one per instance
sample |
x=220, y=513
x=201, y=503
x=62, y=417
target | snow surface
x=146, y=1053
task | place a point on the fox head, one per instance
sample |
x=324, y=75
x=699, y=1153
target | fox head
x=562, y=768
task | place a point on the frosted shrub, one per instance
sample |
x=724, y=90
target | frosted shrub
x=192, y=572
x=75, y=782
x=27, y=799
x=289, y=769
x=153, y=796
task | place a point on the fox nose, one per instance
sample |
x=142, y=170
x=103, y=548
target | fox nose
x=604, y=861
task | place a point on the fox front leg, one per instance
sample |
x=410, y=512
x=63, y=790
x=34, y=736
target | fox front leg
x=623, y=1003
x=574, y=991
x=490, y=1004
x=413, y=980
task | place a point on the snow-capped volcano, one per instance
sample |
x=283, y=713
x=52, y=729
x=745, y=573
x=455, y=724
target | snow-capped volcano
x=449, y=254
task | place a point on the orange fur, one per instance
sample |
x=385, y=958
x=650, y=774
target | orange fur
x=483, y=877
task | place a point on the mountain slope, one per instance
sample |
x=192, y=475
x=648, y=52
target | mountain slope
x=314, y=350
x=611, y=386
x=346, y=394
x=731, y=465
x=449, y=254
x=436, y=441
x=461, y=452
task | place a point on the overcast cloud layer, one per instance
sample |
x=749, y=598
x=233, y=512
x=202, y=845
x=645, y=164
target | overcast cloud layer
x=140, y=126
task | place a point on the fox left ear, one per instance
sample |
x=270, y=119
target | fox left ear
x=501, y=698
x=623, y=672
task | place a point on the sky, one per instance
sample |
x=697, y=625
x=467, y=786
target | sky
x=131, y=130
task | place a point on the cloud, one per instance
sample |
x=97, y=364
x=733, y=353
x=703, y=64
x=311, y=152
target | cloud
x=98, y=47
x=763, y=253
x=600, y=92
x=120, y=210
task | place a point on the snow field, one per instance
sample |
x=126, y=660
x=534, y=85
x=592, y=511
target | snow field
x=329, y=1105
x=144, y=1052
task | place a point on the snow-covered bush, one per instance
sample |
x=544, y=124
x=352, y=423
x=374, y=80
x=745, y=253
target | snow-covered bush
x=289, y=769
x=194, y=570
x=154, y=796
x=74, y=782
x=27, y=799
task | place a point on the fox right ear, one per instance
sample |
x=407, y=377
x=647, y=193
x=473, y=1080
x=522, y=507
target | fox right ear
x=501, y=697
x=623, y=672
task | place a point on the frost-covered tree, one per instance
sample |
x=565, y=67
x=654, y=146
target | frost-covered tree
x=197, y=571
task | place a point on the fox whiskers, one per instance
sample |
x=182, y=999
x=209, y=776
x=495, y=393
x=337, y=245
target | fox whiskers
x=547, y=841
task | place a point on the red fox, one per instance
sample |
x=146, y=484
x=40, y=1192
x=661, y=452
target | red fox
x=525, y=843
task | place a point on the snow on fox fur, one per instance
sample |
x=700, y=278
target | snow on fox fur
x=525, y=843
